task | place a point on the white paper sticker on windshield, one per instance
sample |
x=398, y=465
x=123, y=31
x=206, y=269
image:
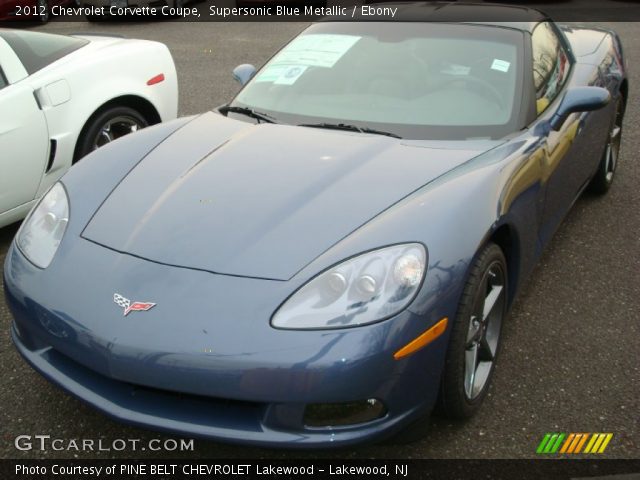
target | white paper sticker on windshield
x=317, y=50
x=271, y=73
x=500, y=65
x=290, y=75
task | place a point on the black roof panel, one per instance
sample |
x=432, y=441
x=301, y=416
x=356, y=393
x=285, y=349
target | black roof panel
x=509, y=16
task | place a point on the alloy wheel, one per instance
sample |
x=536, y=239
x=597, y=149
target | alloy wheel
x=484, y=330
x=613, y=146
x=115, y=128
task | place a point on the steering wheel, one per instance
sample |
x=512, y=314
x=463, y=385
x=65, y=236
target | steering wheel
x=482, y=87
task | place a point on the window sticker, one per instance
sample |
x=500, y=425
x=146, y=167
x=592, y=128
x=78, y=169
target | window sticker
x=316, y=50
x=290, y=75
x=500, y=65
x=271, y=73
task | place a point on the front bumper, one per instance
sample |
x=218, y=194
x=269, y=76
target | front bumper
x=205, y=362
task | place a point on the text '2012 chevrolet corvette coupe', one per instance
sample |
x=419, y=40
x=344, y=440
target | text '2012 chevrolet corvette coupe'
x=331, y=255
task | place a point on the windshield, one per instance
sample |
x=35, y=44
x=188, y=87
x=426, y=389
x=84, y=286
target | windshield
x=415, y=80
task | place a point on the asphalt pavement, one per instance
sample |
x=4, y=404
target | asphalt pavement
x=571, y=353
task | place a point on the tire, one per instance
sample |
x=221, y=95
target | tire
x=108, y=125
x=602, y=180
x=475, y=336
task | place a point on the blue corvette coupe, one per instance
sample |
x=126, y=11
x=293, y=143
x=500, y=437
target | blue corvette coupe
x=333, y=254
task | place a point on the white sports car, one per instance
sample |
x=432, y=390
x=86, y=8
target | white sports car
x=63, y=96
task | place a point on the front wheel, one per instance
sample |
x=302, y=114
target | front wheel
x=109, y=125
x=475, y=336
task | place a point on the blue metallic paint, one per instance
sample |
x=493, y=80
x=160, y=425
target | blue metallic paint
x=208, y=354
x=189, y=200
x=250, y=382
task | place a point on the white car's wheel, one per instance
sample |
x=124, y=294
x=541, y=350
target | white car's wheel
x=111, y=124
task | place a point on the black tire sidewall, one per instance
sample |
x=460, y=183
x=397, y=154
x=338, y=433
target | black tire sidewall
x=96, y=122
x=599, y=183
x=453, y=401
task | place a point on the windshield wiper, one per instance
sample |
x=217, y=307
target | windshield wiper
x=249, y=112
x=350, y=128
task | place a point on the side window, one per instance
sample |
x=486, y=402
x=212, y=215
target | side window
x=550, y=65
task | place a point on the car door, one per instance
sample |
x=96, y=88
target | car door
x=23, y=135
x=563, y=170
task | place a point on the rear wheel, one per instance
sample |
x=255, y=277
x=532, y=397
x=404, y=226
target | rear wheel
x=109, y=125
x=475, y=336
x=603, y=178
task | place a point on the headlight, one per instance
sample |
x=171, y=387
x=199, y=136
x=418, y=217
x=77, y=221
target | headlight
x=42, y=232
x=361, y=290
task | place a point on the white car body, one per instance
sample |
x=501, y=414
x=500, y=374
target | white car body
x=43, y=114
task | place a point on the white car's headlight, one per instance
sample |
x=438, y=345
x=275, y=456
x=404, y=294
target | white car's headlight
x=364, y=289
x=42, y=232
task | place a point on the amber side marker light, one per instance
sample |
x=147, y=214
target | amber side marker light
x=423, y=340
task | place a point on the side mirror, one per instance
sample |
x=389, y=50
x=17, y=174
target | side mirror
x=580, y=99
x=243, y=73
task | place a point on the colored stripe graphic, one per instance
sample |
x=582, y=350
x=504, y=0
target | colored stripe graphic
x=543, y=443
x=573, y=443
x=583, y=439
x=556, y=446
x=567, y=442
x=604, y=445
x=592, y=440
x=550, y=443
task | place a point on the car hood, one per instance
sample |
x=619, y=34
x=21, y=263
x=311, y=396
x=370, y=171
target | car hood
x=260, y=201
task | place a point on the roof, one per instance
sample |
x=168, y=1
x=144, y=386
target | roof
x=509, y=16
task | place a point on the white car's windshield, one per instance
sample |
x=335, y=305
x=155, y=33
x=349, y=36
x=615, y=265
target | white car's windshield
x=416, y=80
